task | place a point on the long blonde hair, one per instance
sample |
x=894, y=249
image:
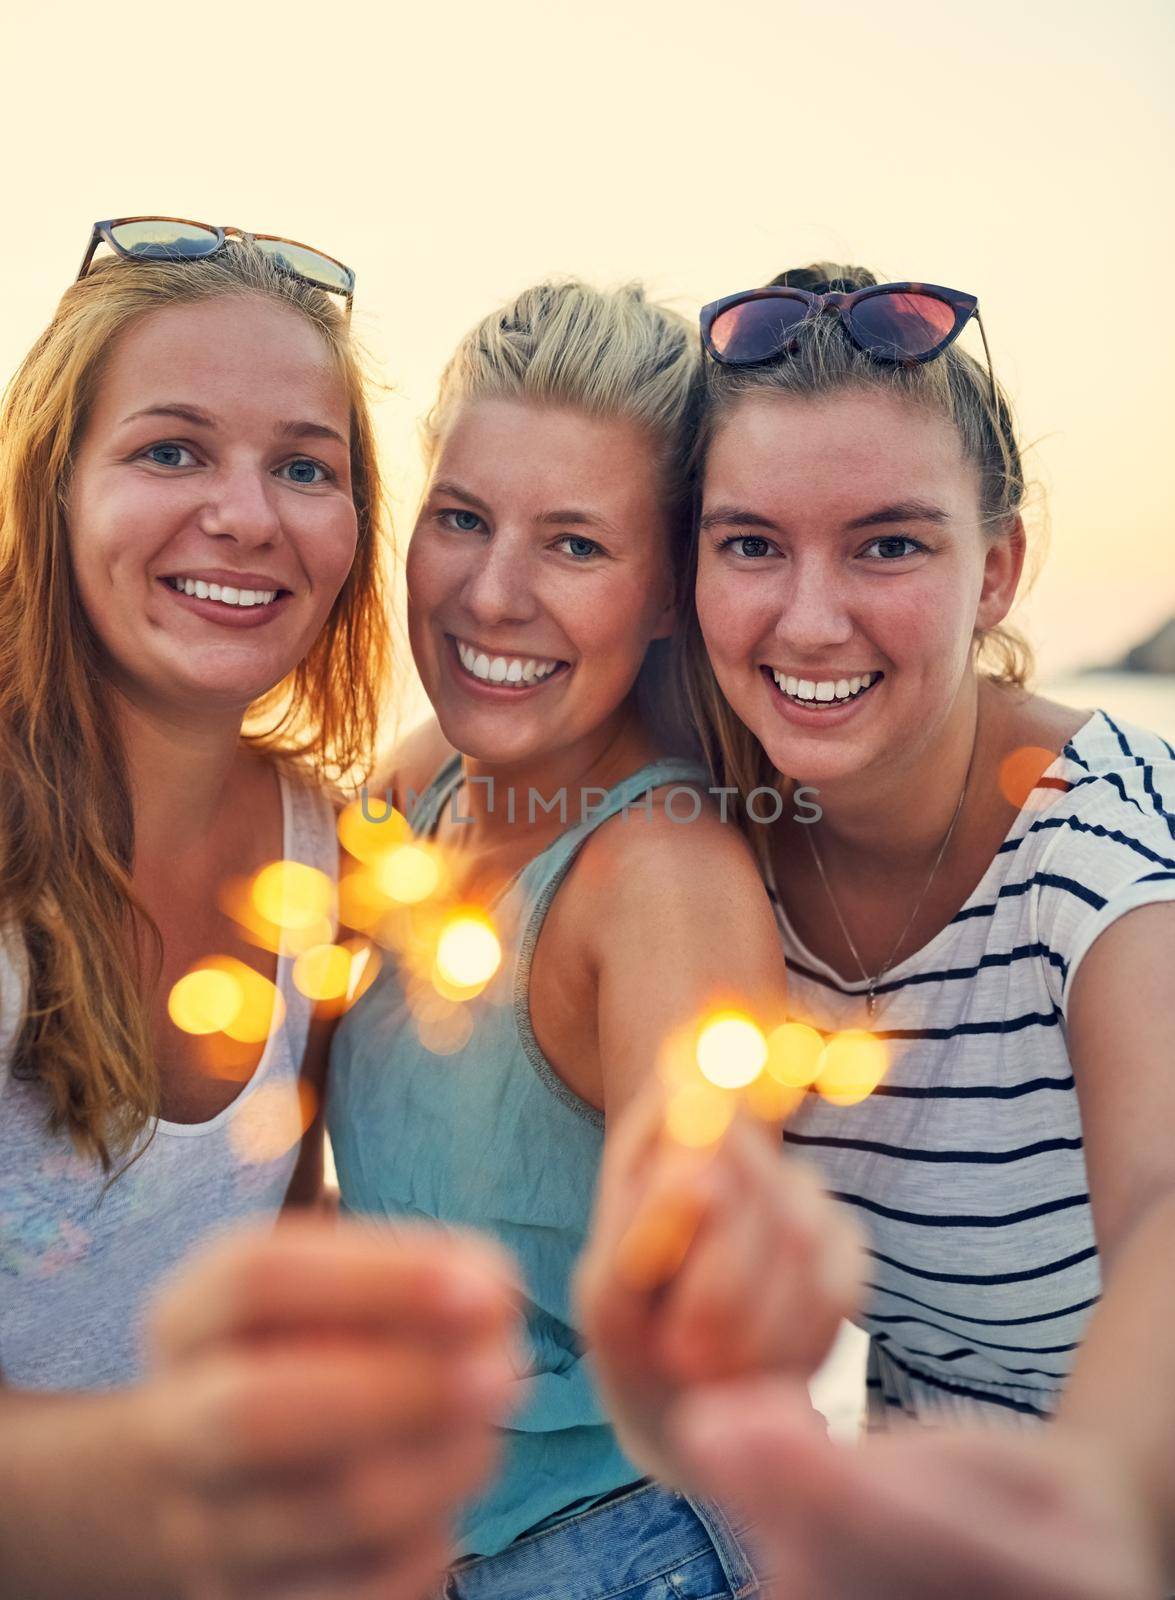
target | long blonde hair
x=823, y=361
x=66, y=822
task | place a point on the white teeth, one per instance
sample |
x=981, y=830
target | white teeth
x=823, y=690
x=199, y=590
x=503, y=669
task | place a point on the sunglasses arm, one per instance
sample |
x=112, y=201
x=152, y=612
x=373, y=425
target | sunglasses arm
x=995, y=400
x=95, y=241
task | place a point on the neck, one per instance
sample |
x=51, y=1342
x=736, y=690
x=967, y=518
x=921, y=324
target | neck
x=598, y=760
x=179, y=769
x=892, y=820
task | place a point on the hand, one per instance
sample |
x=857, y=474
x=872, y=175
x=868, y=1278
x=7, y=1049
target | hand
x=706, y=1265
x=325, y=1400
x=924, y=1514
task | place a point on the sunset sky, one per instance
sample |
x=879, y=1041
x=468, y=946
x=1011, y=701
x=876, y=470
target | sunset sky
x=1021, y=150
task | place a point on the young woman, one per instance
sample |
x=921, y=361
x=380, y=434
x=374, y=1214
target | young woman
x=189, y=509
x=988, y=889
x=542, y=567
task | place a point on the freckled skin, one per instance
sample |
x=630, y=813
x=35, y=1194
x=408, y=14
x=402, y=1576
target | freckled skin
x=513, y=585
x=826, y=600
x=227, y=502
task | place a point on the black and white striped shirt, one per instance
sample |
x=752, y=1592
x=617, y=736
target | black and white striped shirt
x=966, y=1166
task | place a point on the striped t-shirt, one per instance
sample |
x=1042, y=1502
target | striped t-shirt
x=966, y=1165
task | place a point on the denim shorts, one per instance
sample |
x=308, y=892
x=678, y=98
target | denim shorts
x=648, y=1544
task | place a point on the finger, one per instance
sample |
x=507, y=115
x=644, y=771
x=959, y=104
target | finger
x=315, y=1274
x=366, y=1509
x=408, y=1574
x=237, y=1415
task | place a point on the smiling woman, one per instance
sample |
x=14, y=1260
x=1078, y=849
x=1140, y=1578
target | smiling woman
x=192, y=639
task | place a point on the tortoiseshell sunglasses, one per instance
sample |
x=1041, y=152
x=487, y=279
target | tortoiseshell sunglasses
x=899, y=323
x=177, y=239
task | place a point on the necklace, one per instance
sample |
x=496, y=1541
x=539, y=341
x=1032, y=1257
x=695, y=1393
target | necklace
x=875, y=979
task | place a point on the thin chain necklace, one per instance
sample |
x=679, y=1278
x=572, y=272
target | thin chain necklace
x=875, y=979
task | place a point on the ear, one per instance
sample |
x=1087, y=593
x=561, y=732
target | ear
x=1002, y=569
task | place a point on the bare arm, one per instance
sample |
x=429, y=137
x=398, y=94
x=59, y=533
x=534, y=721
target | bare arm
x=1122, y=1042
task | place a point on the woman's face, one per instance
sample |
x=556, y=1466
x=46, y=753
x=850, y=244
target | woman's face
x=538, y=573
x=842, y=570
x=210, y=514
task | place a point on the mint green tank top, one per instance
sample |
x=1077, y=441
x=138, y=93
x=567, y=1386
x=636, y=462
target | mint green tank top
x=490, y=1137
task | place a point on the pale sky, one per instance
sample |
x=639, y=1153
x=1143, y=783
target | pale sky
x=1021, y=150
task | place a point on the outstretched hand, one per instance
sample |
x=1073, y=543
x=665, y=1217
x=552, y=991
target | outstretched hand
x=921, y=1515
x=706, y=1265
x=325, y=1400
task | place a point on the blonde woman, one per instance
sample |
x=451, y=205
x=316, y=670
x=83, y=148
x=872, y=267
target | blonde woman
x=189, y=538
x=543, y=568
x=989, y=890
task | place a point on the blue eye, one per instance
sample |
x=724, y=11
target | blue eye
x=168, y=455
x=302, y=471
x=462, y=521
x=889, y=546
x=581, y=549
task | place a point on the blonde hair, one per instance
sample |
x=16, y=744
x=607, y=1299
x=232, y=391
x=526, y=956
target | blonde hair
x=610, y=353
x=822, y=361
x=66, y=824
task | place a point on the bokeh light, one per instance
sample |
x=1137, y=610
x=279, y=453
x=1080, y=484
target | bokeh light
x=731, y=1051
x=409, y=874
x=205, y=1000
x=698, y=1114
x=852, y=1064
x=292, y=896
x=323, y=972
x=1020, y=773
x=261, y=1007
x=468, y=953
x=793, y=1054
x=368, y=838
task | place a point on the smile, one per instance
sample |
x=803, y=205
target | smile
x=504, y=671
x=224, y=594
x=815, y=692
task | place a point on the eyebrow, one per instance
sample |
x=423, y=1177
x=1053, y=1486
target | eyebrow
x=576, y=518
x=900, y=511
x=201, y=419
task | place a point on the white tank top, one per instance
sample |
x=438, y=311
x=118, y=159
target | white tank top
x=78, y=1268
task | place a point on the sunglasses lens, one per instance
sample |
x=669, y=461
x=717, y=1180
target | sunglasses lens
x=155, y=239
x=755, y=330
x=898, y=326
x=306, y=263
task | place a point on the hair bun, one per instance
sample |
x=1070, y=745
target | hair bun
x=825, y=277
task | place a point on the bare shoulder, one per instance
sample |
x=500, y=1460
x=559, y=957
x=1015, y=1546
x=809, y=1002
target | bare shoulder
x=673, y=857
x=1034, y=719
x=414, y=762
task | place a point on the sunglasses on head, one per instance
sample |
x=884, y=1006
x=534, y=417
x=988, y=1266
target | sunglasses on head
x=902, y=324
x=176, y=239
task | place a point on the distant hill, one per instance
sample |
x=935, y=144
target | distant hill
x=1156, y=654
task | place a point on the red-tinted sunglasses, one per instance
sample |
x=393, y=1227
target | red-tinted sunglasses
x=899, y=323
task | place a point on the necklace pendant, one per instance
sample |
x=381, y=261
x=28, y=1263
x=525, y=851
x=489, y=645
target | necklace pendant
x=870, y=1004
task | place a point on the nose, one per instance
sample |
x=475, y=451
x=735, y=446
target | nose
x=241, y=507
x=499, y=588
x=814, y=611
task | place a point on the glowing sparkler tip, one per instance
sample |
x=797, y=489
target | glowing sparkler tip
x=731, y=1051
